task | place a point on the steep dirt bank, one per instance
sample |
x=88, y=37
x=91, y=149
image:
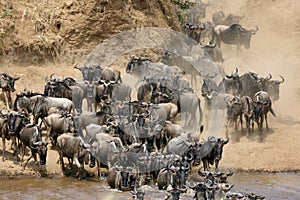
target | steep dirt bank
x=38, y=32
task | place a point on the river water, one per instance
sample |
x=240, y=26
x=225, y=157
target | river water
x=271, y=185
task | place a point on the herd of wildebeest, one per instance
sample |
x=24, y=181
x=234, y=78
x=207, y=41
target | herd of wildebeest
x=143, y=141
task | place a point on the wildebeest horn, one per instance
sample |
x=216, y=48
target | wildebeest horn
x=208, y=183
x=281, y=78
x=227, y=140
x=183, y=189
x=186, y=168
x=36, y=143
x=229, y=173
x=51, y=75
x=269, y=77
x=191, y=186
x=254, y=31
x=212, y=74
x=190, y=157
x=227, y=77
x=227, y=186
x=4, y=76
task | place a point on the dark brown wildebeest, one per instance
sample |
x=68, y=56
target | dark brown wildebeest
x=234, y=112
x=262, y=105
x=248, y=107
x=7, y=84
x=72, y=147
x=233, y=35
x=11, y=127
x=31, y=136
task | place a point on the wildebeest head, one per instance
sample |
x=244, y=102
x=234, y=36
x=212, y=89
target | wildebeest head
x=175, y=193
x=219, y=148
x=108, y=87
x=208, y=84
x=41, y=147
x=139, y=193
x=125, y=173
x=200, y=190
x=234, y=105
x=87, y=72
x=11, y=120
x=272, y=87
x=245, y=35
x=134, y=64
x=8, y=82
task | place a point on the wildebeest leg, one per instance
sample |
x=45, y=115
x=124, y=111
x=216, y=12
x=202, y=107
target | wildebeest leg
x=98, y=169
x=26, y=162
x=216, y=164
x=62, y=161
x=6, y=100
x=3, y=146
x=241, y=122
x=266, y=118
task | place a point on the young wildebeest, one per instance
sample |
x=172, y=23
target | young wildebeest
x=262, y=105
x=31, y=136
x=248, y=107
x=234, y=111
x=11, y=124
x=7, y=84
x=74, y=148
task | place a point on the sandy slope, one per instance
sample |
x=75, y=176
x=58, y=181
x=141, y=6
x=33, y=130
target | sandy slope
x=274, y=49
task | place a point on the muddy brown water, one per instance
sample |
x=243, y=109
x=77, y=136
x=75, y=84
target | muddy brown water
x=271, y=185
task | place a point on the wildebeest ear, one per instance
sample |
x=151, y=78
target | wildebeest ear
x=16, y=78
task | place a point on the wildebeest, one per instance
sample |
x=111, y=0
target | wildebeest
x=31, y=136
x=74, y=148
x=11, y=127
x=214, y=149
x=7, y=84
x=233, y=35
x=118, y=177
x=234, y=110
x=93, y=73
x=58, y=124
x=248, y=108
x=262, y=105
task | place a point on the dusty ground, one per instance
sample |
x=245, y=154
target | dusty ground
x=274, y=49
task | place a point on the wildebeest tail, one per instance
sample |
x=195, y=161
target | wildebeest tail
x=273, y=113
x=200, y=112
